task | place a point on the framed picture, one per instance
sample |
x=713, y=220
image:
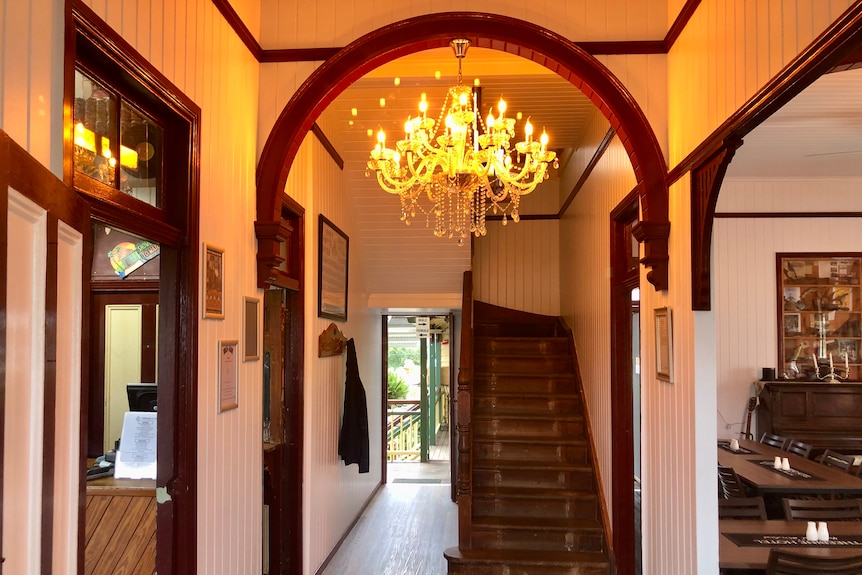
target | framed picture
x=792, y=325
x=250, y=333
x=663, y=344
x=228, y=374
x=332, y=271
x=213, y=281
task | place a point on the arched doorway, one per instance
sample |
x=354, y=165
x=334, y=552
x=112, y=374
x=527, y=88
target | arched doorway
x=485, y=31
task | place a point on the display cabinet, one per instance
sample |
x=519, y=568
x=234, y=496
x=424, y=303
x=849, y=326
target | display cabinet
x=819, y=316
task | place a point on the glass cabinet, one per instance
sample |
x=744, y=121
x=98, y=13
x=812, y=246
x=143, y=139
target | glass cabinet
x=819, y=316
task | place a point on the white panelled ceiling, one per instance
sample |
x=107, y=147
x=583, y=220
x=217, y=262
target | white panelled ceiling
x=819, y=133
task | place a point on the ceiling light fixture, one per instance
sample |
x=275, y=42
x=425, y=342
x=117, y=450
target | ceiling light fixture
x=462, y=166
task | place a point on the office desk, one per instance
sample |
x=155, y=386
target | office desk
x=120, y=533
x=733, y=556
x=826, y=480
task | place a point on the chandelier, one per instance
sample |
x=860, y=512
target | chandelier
x=459, y=168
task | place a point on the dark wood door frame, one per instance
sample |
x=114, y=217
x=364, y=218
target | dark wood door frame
x=623, y=280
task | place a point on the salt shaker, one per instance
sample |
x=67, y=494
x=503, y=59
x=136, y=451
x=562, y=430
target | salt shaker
x=785, y=464
x=777, y=463
x=822, y=531
x=811, y=532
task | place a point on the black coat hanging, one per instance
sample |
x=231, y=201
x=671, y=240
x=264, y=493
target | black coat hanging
x=353, y=439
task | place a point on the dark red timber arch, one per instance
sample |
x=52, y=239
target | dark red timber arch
x=485, y=31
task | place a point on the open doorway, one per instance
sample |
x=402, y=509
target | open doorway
x=419, y=382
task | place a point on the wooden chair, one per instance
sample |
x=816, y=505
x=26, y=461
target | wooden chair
x=730, y=486
x=773, y=440
x=838, y=460
x=742, y=508
x=823, y=510
x=783, y=562
x=798, y=447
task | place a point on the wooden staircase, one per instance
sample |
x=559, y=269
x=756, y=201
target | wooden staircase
x=534, y=506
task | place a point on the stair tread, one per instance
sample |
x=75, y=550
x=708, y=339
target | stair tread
x=569, y=417
x=520, y=439
x=479, y=373
x=525, y=556
x=527, y=394
x=532, y=465
x=539, y=523
x=531, y=493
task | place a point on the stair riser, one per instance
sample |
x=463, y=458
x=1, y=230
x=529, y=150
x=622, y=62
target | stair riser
x=563, y=508
x=489, y=383
x=526, y=452
x=539, y=539
x=521, y=346
x=521, y=569
x=528, y=428
x=532, y=478
x=514, y=364
x=547, y=406
x=506, y=330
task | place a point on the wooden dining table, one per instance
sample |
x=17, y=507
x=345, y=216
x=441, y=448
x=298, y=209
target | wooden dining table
x=765, y=481
x=750, y=556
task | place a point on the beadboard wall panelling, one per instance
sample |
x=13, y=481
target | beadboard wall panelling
x=670, y=479
x=730, y=50
x=328, y=23
x=762, y=195
x=744, y=275
x=334, y=493
x=517, y=266
x=585, y=281
x=221, y=76
x=31, y=104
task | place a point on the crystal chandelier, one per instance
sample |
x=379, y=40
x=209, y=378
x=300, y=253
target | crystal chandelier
x=460, y=168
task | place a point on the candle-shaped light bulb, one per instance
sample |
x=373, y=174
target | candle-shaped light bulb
x=490, y=121
x=423, y=105
x=502, y=107
x=462, y=99
x=528, y=130
x=396, y=158
x=544, y=140
x=408, y=126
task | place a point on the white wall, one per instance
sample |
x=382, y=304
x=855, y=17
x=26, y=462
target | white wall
x=744, y=282
x=333, y=494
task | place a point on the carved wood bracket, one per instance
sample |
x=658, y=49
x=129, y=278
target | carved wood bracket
x=654, y=236
x=279, y=247
x=706, y=180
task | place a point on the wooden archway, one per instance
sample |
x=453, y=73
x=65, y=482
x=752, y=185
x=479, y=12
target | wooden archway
x=485, y=31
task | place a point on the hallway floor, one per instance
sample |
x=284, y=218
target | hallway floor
x=406, y=527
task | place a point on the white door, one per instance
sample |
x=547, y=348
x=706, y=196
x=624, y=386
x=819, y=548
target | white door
x=43, y=239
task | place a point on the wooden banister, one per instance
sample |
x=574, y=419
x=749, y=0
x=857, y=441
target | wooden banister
x=464, y=416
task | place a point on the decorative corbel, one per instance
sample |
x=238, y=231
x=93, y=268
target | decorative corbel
x=654, y=236
x=706, y=180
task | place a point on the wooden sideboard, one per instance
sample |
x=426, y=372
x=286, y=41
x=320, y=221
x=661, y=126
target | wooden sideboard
x=826, y=415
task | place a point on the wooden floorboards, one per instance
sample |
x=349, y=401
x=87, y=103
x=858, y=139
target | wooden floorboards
x=406, y=528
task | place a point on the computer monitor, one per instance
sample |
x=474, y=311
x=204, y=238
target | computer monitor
x=142, y=396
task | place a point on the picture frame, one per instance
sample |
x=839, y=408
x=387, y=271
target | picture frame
x=228, y=375
x=251, y=329
x=332, y=271
x=663, y=344
x=212, y=272
x=792, y=324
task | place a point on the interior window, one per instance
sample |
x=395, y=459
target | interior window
x=116, y=143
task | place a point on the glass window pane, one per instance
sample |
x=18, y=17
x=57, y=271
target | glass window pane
x=95, y=120
x=140, y=155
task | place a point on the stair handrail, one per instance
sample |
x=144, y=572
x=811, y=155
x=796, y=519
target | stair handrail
x=464, y=411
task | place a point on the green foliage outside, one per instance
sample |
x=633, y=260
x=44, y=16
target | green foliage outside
x=397, y=355
x=397, y=387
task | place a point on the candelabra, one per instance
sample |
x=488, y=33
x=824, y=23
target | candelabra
x=832, y=376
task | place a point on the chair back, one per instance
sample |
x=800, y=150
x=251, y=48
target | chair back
x=798, y=447
x=742, y=508
x=773, y=440
x=784, y=562
x=838, y=460
x=823, y=510
x=729, y=483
